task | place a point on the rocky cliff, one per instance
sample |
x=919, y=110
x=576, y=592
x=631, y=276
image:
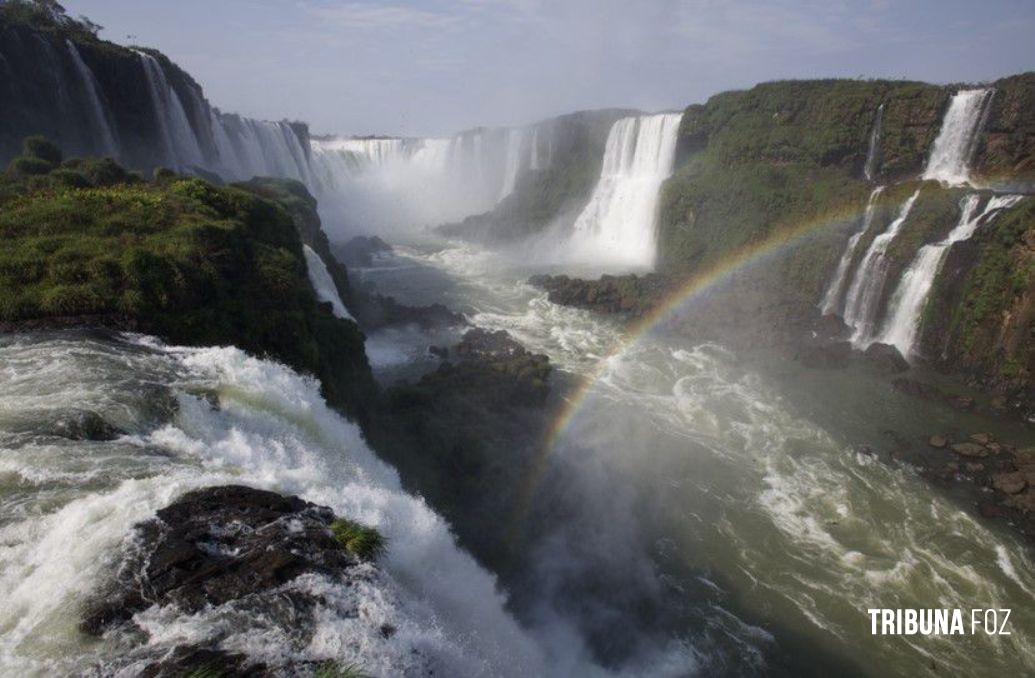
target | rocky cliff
x=95, y=98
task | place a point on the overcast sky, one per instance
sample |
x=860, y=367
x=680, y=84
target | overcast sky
x=436, y=66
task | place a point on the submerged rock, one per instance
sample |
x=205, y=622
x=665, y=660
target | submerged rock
x=83, y=425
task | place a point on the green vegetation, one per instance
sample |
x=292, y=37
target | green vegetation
x=191, y=262
x=983, y=321
x=47, y=15
x=783, y=162
x=365, y=543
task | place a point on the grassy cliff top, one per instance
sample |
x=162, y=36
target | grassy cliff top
x=177, y=257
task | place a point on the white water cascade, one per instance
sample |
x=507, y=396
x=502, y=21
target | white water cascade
x=865, y=291
x=902, y=327
x=249, y=148
x=181, y=144
x=955, y=144
x=520, y=155
x=98, y=111
x=832, y=299
x=873, y=153
x=323, y=283
x=385, y=184
x=75, y=505
x=617, y=226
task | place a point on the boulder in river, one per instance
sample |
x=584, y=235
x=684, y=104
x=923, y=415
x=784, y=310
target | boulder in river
x=217, y=545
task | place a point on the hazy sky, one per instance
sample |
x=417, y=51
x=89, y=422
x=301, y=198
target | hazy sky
x=436, y=66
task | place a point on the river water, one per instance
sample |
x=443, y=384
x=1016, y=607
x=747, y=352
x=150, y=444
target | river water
x=699, y=512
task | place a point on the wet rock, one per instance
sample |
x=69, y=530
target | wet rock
x=1024, y=501
x=626, y=295
x=202, y=661
x=375, y=311
x=83, y=425
x=938, y=441
x=216, y=545
x=970, y=450
x=981, y=438
x=1009, y=483
x=360, y=251
x=973, y=467
x=886, y=358
x=831, y=328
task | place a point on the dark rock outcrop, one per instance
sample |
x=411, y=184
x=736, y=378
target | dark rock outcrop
x=83, y=425
x=885, y=358
x=359, y=252
x=217, y=545
x=631, y=296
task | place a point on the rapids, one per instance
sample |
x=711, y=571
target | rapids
x=761, y=529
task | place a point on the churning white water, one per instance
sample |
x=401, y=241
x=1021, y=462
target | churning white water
x=745, y=486
x=323, y=284
x=98, y=111
x=832, y=298
x=66, y=509
x=864, y=293
x=902, y=326
x=954, y=146
x=616, y=228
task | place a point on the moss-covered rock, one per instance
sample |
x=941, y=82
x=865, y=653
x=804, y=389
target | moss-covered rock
x=1005, y=157
x=191, y=262
x=981, y=317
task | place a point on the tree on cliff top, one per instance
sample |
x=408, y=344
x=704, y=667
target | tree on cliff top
x=44, y=13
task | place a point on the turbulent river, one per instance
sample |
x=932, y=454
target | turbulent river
x=718, y=515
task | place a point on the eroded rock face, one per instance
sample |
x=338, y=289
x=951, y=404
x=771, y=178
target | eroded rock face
x=217, y=545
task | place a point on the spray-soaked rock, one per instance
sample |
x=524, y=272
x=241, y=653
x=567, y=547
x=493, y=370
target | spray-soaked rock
x=217, y=545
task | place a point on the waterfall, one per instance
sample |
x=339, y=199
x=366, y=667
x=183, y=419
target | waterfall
x=870, y=168
x=832, y=299
x=97, y=109
x=323, y=283
x=955, y=144
x=865, y=292
x=902, y=327
x=534, y=161
x=271, y=430
x=181, y=142
x=515, y=147
x=617, y=225
x=383, y=185
x=249, y=148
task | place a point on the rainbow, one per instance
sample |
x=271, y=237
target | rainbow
x=779, y=241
